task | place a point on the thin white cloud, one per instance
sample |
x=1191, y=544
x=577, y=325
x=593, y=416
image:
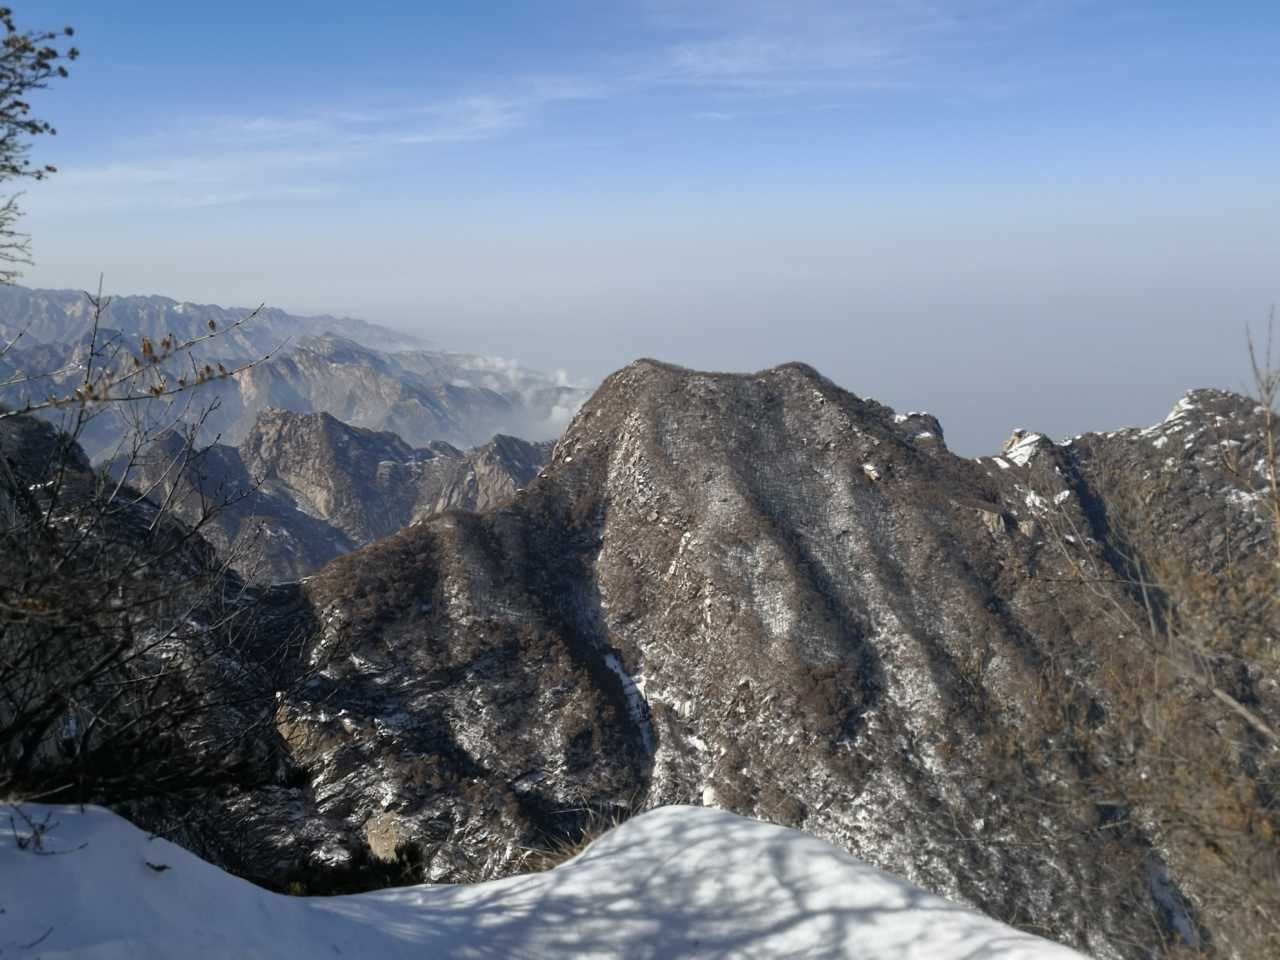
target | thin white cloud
x=749, y=60
x=459, y=121
x=271, y=129
x=470, y=117
x=788, y=54
x=799, y=45
x=225, y=159
x=182, y=181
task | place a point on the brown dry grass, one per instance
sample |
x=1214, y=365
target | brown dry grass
x=559, y=850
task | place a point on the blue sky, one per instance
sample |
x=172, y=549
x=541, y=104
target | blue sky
x=1050, y=213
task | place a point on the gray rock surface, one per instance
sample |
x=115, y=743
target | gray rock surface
x=301, y=489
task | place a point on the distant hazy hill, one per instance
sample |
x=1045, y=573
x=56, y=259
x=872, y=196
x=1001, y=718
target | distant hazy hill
x=64, y=316
x=365, y=375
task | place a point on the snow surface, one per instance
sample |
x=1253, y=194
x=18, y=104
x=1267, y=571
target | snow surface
x=674, y=882
x=1026, y=448
x=636, y=705
x=1181, y=409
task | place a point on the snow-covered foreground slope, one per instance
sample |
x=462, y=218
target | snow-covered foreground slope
x=675, y=882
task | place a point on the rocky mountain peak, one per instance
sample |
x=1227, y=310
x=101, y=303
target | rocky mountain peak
x=763, y=593
x=280, y=437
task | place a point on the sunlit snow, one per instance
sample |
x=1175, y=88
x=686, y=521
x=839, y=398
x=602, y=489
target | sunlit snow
x=674, y=882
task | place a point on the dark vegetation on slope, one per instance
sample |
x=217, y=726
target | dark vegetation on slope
x=133, y=663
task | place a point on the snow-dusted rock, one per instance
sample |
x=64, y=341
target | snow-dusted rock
x=303, y=488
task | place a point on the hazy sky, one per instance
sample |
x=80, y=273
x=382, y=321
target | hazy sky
x=1056, y=214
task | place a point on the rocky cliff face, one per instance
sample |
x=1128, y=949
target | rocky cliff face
x=305, y=488
x=766, y=594
x=370, y=485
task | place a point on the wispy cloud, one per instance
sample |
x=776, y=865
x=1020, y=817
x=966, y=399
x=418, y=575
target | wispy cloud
x=479, y=117
x=195, y=172
x=223, y=160
x=722, y=55
x=469, y=117
x=797, y=46
x=756, y=62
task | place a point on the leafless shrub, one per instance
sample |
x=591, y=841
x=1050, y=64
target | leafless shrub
x=133, y=660
x=1189, y=750
x=28, y=61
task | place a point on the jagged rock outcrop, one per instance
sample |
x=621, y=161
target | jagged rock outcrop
x=301, y=489
x=370, y=485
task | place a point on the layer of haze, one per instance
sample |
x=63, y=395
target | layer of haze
x=1057, y=214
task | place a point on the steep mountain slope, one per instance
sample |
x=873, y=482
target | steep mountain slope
x=302, y=489
x=370, y=485
x=763, y=593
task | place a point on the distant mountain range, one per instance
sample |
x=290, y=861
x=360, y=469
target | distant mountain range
x=65, y=316
x=365, y=375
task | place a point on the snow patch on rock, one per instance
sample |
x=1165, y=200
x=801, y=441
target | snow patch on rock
x=636, y=705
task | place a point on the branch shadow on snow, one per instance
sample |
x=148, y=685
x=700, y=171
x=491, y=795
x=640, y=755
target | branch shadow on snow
x=680, y=883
